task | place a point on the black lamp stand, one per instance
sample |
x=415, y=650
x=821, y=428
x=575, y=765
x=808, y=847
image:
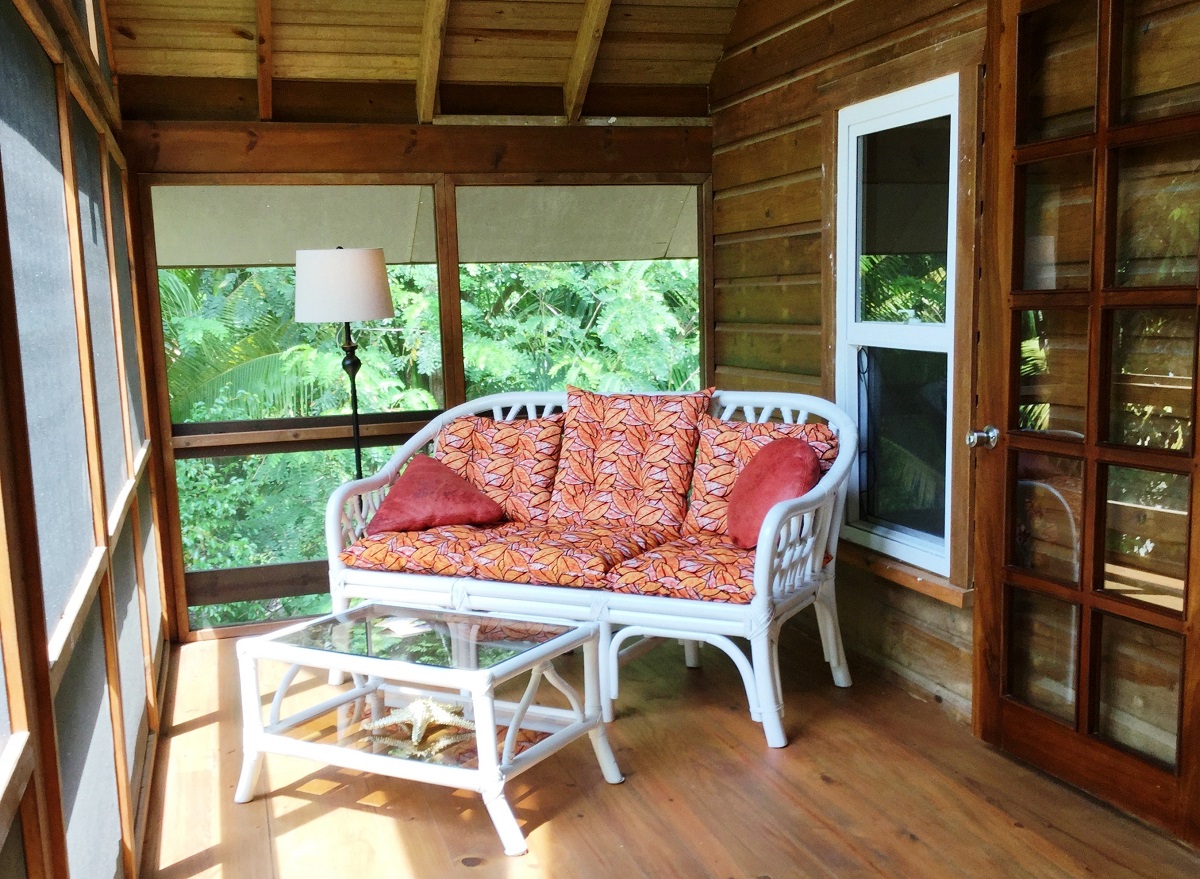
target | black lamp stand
x=351, y=364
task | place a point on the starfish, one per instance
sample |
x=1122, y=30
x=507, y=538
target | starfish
x=402, y=748
x=419, y=714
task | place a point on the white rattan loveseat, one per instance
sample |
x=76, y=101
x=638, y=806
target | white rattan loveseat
x=793, y=564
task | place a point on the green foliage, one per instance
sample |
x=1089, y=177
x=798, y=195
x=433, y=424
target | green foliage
x=235, y=353
x=903, y=287
x=607, y=326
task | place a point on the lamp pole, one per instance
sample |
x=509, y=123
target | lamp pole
x=351, y=364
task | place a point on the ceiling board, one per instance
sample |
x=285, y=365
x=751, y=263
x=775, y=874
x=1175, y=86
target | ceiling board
x=488, y=43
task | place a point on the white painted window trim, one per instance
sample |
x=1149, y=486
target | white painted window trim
x=929, y=100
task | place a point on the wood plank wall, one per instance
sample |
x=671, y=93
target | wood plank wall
x=787, y=69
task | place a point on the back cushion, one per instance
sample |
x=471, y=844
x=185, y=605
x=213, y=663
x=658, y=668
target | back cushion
x=512, y=462
x=627, y=458
x=726, y=447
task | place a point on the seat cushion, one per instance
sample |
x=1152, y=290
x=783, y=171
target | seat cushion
x=725, y=448
x=512, y=462
x=429, y=494
x=442, y=551
x=577, y=556
x=698, y=566
x=626, y=459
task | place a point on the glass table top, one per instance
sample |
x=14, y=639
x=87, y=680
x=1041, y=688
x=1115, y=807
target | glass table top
x=438, y=639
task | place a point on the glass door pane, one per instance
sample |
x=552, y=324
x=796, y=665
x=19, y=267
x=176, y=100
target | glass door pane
x=1152, y=384
x=1146, y=536
x=1056, y=78
x=1057, y=242
x=1141, y=679
x=1153, y=82
x=1158, y=214
x=1042, y=651
x=1053, y=367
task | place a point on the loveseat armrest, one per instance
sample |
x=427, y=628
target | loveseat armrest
x=798, y=537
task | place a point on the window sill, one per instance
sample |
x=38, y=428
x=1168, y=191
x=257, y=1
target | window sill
x=904, y=574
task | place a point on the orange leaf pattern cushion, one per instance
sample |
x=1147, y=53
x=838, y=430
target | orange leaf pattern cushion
x=441, y=550
x=698, y=566
x=725, y=448
x=561, y=557
x=627, y=459
x=512, y=462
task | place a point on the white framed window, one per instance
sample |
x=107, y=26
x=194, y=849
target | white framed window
x=896, y=222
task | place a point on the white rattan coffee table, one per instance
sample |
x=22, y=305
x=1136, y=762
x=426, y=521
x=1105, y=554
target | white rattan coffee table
x=422, y=704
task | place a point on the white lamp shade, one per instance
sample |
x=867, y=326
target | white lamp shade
x=336, y=286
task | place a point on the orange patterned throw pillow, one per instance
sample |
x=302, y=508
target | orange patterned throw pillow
x=626, y=458
x=726, y=447
x=512, y=462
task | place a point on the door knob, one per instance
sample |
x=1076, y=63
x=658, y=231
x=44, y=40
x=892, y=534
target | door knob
x=987, y=438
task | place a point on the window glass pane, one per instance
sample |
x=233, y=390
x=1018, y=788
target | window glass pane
x=1159, y=73
x=235, y=351
x=1153, y=363
x=1047, y=501
x=1058, y=224
x=1141, y=678
x=149, y=551
x=125, y=303
x=1053, y=369
x=260, y=509
x=593, y=286
x=12, y=855
x=1158, y=214
x=130, y=655
x=1146, y=536
x=1041, y=658
x=1056, y=78
x=94, y=231
x=902, y=416
x=85, y=751
x=31, y=162
x=903, y=215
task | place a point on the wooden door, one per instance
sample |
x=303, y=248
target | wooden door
x=1087, y=551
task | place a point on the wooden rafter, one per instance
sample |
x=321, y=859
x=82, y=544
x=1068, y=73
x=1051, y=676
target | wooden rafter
x=587, y=43
x=433, y=33
x=266, y=61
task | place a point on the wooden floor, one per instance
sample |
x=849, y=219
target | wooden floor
x=874, y=783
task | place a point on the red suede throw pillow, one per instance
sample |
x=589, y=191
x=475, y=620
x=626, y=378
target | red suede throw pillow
x=428, y=494
x=782, y=469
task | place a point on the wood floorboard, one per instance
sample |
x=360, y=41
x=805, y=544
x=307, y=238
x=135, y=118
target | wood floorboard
x=874, y=783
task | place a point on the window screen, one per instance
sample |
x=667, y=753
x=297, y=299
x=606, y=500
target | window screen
x=130, y=657
x=125, y=303
x=85, y=750
x=149, y=550
x=31, y=162
x=94, y=232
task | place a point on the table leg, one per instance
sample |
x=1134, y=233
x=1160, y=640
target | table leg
x=492, y=788
x=505, y=822
x=251, y=727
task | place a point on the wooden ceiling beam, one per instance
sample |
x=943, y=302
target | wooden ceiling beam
x=266, y=62
x=587, y=43
x=433, y=34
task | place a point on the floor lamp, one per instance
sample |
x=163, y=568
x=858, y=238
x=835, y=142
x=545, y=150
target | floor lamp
x=340, y=286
